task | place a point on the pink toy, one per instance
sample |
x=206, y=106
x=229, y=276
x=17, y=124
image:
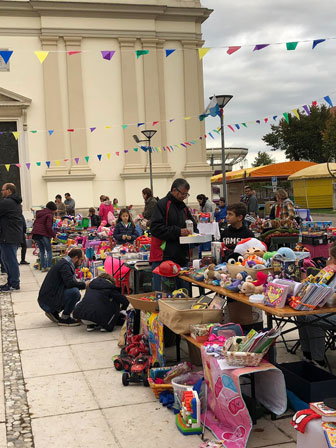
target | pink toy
x=261, y=279
x=115, y=271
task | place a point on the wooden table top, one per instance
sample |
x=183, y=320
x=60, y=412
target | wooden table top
x=286, y=311
x=193, y=341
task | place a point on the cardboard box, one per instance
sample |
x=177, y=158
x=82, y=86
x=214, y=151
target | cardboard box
x=138, y=304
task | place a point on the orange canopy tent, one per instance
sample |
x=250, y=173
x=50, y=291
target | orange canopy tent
x=280, y=170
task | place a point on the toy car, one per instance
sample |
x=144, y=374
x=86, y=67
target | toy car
x=123, y=362
x=138, y=371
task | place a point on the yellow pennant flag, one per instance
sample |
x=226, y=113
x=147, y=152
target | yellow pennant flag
x=7, y=166
x=187, y=118
x=296, y=113
x=107, y=127
x=108, y=155
x=16, y=134
x=41, y=55
x=202, y=52
x=57, y=162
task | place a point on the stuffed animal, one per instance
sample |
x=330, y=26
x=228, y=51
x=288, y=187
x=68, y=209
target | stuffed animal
x=261, y=279
x=234, y=286
x=286, y=254
x=248, y=288
x=225, y=280
x=251, y=246
x=252, y=260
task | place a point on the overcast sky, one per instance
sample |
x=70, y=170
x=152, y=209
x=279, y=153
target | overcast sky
x=271, y=81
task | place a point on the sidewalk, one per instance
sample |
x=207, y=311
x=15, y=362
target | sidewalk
x=61, y=389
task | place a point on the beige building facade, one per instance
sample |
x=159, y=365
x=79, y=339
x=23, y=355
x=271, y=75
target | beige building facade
x=81, y=90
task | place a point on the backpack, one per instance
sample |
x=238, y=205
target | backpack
x=110, y=218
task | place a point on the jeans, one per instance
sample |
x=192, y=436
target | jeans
x=44, y=245
x=156, y=282
x=312, y=337
x=71, y=297
x=9, y=260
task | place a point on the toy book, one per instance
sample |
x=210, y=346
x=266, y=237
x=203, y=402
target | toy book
x=217, y=303
x=322, y=409
x=276, y=295
x=329, y=430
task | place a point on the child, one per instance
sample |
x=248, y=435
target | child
x=221, y=211
x=95, y=220
x=236, y=231
x=125, y=231
x=101, y=305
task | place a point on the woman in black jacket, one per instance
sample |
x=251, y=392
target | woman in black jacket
x=101, y=304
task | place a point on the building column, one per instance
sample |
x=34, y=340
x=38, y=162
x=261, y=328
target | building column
x=155, y=103
x=56, y=147
x=196, y=165
x=133, y=164
x=78, y=142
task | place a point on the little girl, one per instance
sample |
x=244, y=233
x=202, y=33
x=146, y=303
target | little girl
x=125, y=231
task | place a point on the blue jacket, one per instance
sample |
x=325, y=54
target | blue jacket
x=221, y=214
x=121, y=230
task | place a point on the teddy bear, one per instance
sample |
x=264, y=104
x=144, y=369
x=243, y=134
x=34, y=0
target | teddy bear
x=251, y=246
x=248, y=288
x=225, y=280
x=210, y=274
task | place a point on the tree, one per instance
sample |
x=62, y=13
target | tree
x=301, y=139
x=262, y=159
x=329, y=137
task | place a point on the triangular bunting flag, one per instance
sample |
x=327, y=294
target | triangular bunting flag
x=7, y=165
x=125, y=151
x=76, y=160
x=57, y=162
x=155, y=123
x=233, y=49
x=316, y=42
x=245, y=125
x=140, y=124
x=135, y=149
x=230, y=127
x=258, y=121
x=18, y=165
x=124, y=126
x=265, y=120
x=87, y=159
x=187, y=118
x=71, y=130
x=306, y=108
x=92, y=129
x=99, y=157
x=6, y=54
x=65, y=160
x=328, y=100
x=141, y=53
x=71, y=53
x=202, y=52
x=210, y=136
x=275, y=117
x=107, y=127
x=38, y=163
x=16, y=134
x=260, y=47
x=33, y=132
x=41, y=55
x=296, y=113
x=291, y=45
x=51, y=131
x=171, y=120
x=314, y=103
x=237, y=126
x=28, y=165
x=117, y=153
x=169, y=52
x=108, y=55
x=108, y=155
x=285, y=114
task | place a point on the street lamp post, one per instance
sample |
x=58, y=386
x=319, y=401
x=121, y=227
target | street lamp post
x=222, y=101
x=148, y=133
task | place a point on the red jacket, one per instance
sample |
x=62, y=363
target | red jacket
x=43, y=223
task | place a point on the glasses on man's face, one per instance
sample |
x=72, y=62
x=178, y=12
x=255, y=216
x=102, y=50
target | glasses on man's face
x=185, y=195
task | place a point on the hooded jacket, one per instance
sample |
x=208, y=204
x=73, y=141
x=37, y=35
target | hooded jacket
x=43, y=223
x=11, y=220
x=104, y=208
x=121, y=229
x=150, y=204
x=168, y=218
x=101, y=304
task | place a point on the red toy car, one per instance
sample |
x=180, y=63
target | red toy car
x=138, y=371
x=123, y=362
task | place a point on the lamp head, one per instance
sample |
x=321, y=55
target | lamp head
x=149, y=133
x=222, y=100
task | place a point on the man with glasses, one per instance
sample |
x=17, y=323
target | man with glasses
x=10, y=235
x=168, y=224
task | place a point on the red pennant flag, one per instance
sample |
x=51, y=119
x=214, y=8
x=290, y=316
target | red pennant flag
x=265, y=120
x=70, y=53
x=117, y=153
x=314, y=103
x=70, y=130
x=233, y=49
x=229, y=126
x=155, y=123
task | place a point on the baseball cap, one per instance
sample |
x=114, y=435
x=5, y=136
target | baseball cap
x=168, y=269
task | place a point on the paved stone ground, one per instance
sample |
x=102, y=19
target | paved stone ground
x=60, y=388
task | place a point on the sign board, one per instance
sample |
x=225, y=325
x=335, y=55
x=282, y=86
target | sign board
x=274, y=181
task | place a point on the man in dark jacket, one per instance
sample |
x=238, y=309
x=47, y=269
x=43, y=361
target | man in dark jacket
x=10, y=235
x=60, y=289
x=101, y=304
x=168, y=224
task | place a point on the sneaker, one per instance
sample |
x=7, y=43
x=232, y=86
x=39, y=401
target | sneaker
x=54, y=317
x=5, y=288
x=92, y=327
x=14, y=288
x=24, y=262
x=103, y=330
x=69, y=322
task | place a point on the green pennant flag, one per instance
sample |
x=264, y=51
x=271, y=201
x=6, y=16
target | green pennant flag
x=245, y=125
x=141, y=53
x=38, y=163
x=87, y=158
x=135, y=149
x=285, y=114
x=33, y=132
x=291, y=45
x=124, y=126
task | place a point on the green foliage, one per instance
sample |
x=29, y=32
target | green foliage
x=301, y=139
x=329, y=138
x=262, y=159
